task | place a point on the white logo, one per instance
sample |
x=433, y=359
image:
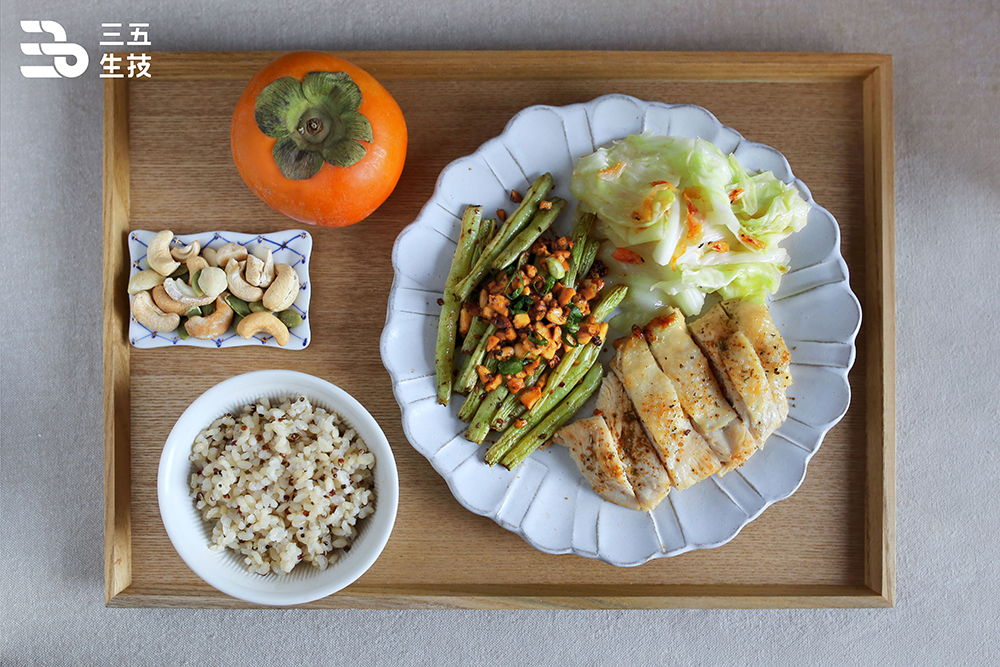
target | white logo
x=59, y=49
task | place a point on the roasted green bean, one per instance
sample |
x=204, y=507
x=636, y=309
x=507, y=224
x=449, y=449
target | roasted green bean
x=540, y=434
x=444, y=349
x=518, y=220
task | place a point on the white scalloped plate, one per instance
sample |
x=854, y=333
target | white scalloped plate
x=291, y=246
x=546, y=500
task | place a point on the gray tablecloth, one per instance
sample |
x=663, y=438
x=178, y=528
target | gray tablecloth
x=947, y=94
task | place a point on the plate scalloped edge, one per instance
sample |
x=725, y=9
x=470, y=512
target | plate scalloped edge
x=545, y=500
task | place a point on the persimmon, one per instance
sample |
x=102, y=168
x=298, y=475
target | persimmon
x=318, y=139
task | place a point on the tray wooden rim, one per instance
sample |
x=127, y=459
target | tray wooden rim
x=874, y=71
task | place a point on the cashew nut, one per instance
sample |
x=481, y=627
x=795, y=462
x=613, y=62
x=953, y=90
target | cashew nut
x=263, y=322
x=282, y=292
x=238, y=286
x=168, y=304
x=230, y=251
x=144, y=280
x=212, y=281
x=213, y=326
x=209, y=255
x=181, y=291
x=184, y=253
x=158, y=253
x=154, y=319
x=196, y=264
x=254, y=270
x=267, y=273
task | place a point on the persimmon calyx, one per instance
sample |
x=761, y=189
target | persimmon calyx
x=314, y=121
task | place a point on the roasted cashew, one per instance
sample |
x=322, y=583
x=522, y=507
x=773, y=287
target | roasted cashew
x=209, y=255
x=168, y=304
x=181, y=291
x=238, y=286
x=151, y=317
x=230, y=251
x=267, y=273
x=254, y=270
x=282, y=292
x=213, y=326
x=196, y=264
x=263, y=322
x=158, y=255
x=184, y=253
x=146, y=279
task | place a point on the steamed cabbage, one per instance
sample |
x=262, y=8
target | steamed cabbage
x=700, y=222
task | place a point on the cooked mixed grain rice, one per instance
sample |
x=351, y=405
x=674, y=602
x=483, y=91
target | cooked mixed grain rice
x=282, y=484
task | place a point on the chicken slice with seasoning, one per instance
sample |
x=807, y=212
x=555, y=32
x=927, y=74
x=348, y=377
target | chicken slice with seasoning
x=645, y=471
x=739, y=370
x=595, y=452
x=702, y=399
x=685, y=453
x=754, y=320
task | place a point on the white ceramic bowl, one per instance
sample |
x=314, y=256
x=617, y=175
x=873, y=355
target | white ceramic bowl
x=225, y=570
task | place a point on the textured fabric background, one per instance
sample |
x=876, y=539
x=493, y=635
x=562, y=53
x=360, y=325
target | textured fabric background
x=947, y=96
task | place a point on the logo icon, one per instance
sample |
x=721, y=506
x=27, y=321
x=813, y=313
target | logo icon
x=59, y=49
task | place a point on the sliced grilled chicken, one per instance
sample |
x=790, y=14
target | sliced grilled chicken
x=754, y=320
x=595, y=453
x=682, y=449
x=739, y=370
x=643, y=467
x=702, y=399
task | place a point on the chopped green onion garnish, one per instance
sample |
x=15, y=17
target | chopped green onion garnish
x=555, y=268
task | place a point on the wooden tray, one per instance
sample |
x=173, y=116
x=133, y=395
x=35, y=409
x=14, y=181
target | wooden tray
x=168, y=166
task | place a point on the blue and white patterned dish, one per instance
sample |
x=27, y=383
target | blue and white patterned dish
x=546, y=500
x=291, y=246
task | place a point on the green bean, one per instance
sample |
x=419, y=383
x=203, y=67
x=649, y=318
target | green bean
x=608, y=303
x=566, y=375
x=503, y=419
x=541, y=221
x=587, y=260
x=479, y=427
x=486, y=230
x=554, y=394
x=471, y=404
x=511, y=403
x=476, y=395
x=444, y=349
x=466, y=380
x=600, y=313
x=555, y=419
x=476, y=331
x=518, y=220
x=581, y=228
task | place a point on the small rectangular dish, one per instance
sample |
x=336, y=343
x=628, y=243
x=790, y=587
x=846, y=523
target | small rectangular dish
x=291, y=246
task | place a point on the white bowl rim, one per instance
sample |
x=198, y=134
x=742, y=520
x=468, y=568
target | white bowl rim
x=176, y=451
